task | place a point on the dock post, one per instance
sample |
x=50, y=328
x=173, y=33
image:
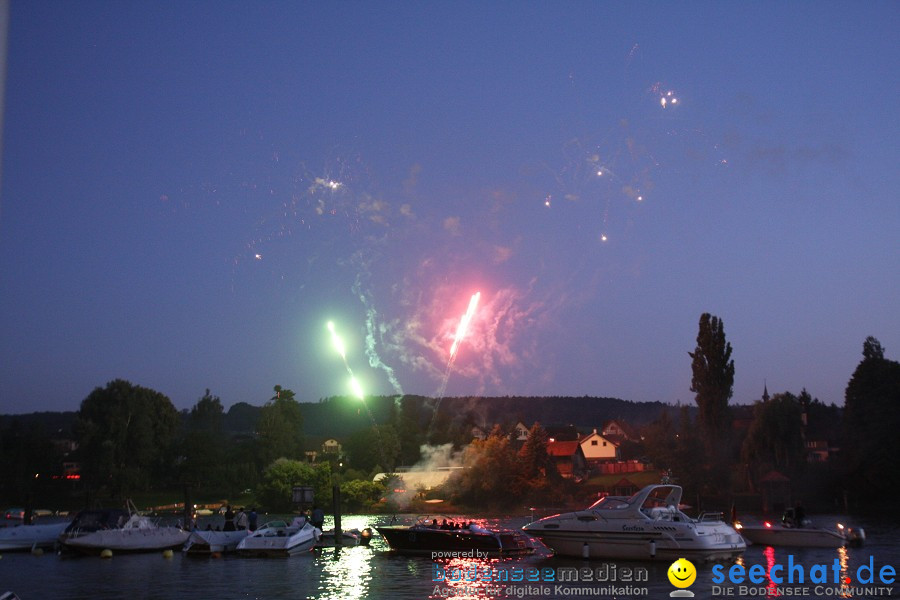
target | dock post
x=336, y=507
x=188, y=516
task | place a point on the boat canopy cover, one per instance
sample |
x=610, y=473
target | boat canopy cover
x=97, y=519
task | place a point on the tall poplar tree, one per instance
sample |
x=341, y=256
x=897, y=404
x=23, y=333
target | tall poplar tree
x=281, y=427
x=871, y=423
x=712, y=381
x=204, y=446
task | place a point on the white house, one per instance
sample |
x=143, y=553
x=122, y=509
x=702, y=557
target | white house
x=331, y=446
x=597, y=448
x=521, y=431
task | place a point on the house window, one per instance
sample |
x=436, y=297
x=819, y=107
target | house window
x=604, y=444
x=593, y=442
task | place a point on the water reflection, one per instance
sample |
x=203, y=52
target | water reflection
x=770, y=562
x=467, y=578
x=346, y=573
x=812, y=566
x=844, y=558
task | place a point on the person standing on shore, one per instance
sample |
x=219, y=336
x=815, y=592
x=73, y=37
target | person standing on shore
x=241, y=520
x=229, y=519
x=317, y=518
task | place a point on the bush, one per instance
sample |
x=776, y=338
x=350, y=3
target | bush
x=279, y=478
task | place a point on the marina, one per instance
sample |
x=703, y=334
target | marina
x=376, y=572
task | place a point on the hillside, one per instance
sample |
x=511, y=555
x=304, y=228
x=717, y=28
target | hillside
x=341, y=416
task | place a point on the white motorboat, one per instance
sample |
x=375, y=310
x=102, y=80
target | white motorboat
x=808, y=536
x=211, y=542
x=29, y=537
x=93, y=531
x=277, y=538
x=648, y=525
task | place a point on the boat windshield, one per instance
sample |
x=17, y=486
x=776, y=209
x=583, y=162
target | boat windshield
x=611, y=503
x=660, y=497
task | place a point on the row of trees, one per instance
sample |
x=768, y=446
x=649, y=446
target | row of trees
x=497, y=474
x=778, y=430
x=132, y=438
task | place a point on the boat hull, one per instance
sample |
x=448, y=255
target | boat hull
x=27, y=537
x=209, y=542
x=799, y=537
x=329, y=540
x=279, y=541
x=462, y=542
x=127, y=540
x=275, y=547
x=641, y=546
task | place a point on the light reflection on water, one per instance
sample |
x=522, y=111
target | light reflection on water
x=372, y=572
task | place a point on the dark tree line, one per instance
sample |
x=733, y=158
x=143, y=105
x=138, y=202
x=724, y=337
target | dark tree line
x=132, y=439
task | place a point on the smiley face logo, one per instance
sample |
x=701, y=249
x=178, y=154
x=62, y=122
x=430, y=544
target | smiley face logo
x=682, y=573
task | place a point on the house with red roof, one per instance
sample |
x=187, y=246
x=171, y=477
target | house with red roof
x=568, y=458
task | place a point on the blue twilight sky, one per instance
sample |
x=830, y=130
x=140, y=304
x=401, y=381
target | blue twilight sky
x=191, y=190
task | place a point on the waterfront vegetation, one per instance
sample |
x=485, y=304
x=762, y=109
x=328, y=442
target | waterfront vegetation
x=126, y=441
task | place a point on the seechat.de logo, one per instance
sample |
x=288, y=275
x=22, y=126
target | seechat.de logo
x=682, y=574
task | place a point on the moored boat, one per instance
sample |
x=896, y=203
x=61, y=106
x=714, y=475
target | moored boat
x=648, y=525
x=29, y=537
x=807, y=536
x=278, y=539
x=425, y=537
x=210, y=541
x=118, y=530
x=348, y=537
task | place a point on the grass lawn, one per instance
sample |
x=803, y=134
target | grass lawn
x=639, y=479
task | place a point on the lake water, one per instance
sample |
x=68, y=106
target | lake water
x=374, y=572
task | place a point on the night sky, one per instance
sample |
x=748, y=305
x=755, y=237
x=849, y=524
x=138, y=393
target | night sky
x=192, y=190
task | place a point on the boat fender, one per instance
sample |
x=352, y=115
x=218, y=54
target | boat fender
x=37, y=551
x=167, y=553
x=106, y=553
x=585, y=551
x=652, y=548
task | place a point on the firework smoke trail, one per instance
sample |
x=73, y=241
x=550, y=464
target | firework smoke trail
x=371, y=327
x=457, y=340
